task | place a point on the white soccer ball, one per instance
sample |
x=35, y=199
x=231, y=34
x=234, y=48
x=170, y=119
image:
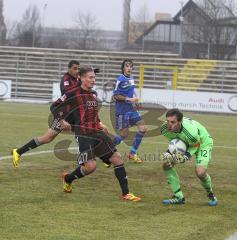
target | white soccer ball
x=177, y=146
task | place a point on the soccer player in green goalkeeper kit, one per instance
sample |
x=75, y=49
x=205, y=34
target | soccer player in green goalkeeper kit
x=199, y=143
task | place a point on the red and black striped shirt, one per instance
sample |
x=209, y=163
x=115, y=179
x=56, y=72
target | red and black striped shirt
x=68, y=82
x=83, y=107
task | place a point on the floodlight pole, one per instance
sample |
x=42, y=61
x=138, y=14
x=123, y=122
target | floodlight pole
x=126, y=21
x=208, y=50
x=236, y=51
x=44, y=14
x=143, y=42
x=33, y=37
x=43, y=23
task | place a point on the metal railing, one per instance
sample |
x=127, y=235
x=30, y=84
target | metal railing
x=34, y=70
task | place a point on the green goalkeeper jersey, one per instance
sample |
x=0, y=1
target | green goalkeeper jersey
x=194, y=134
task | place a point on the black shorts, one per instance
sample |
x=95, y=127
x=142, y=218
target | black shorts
x=95, y=145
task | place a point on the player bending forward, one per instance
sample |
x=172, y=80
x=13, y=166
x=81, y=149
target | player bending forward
x=199, y=143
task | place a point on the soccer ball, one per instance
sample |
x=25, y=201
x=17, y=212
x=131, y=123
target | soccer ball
x=177, y=146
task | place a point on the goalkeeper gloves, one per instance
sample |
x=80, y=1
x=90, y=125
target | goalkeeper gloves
x=167, y=158
x=175, y=158
x=181, y=158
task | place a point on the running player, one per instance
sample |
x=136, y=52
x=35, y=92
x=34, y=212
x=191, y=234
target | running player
x=125, y=113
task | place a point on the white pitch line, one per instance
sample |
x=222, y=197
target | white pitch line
x=39, y=152
x=74, y=148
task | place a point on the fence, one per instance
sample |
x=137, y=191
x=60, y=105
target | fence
x=33, y=70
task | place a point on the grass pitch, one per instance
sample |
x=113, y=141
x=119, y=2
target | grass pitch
x=33, y=206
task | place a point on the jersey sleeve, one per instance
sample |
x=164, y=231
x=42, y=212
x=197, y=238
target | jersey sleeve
x=68, y=83
x=59, y=108
x=163, y=130
x=62, y=90
x=193, y=140
x=64, y=84
x=117, y=90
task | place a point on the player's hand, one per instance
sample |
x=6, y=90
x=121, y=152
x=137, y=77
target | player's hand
x=104, y=128
x=180, y=158
x=167, y=158
x=138, y=105
x=133, y=100
x=65, y=126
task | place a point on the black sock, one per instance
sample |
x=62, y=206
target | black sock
x=33, y=143
x=121, y=175
x=78, y=173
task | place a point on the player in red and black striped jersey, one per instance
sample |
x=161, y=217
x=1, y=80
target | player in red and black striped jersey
x=89, y=131
x=69, y=80
x=83, y=106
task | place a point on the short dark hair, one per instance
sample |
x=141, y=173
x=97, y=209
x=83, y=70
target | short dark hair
x=84, y=70
x=175, y=112
x=96, y=70
x=125, y=62
x=72, y=62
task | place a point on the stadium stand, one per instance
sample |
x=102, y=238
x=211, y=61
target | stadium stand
x=34, y=70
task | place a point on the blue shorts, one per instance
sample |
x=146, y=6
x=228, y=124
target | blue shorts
x=127, y=119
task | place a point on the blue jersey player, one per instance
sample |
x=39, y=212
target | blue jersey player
x=125, y=112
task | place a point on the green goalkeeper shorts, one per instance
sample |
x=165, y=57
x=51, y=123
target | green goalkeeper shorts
x=203, y=156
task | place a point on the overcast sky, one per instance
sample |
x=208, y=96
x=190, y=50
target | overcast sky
x=108, y=13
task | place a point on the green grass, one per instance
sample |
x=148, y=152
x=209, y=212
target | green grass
x=33, y=206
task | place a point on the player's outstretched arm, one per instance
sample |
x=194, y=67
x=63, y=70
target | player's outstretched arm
x=120, y=97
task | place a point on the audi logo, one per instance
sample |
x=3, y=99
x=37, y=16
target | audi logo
x=91, y=103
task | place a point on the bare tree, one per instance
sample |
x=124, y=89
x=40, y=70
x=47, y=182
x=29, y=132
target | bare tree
x=217, y=29
x=87, y=30
x=28, y=30
x=3, y=29
x=11, y=28
x=142, y=15
x=139, y=23
x=55, y=37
